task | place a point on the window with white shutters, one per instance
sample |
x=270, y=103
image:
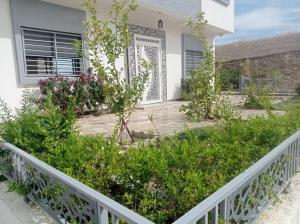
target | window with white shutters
x=49, y=53
x=192, y=61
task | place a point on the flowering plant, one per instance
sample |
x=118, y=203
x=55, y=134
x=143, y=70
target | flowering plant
x=85, y=91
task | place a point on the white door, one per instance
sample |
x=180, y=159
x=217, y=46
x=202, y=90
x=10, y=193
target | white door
x=149, y=49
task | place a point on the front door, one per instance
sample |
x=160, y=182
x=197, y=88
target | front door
x=149, y=49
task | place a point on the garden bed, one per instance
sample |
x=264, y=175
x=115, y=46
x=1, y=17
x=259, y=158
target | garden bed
x=159, y=182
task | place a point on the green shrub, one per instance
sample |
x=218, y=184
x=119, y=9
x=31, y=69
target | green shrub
x=186, y=88
x=297, y=90
x=50, y=135
x=257, y=98
x=161, y=182
x=88, y=159
x=86, y=92
x=34, y=129
x=230, y=79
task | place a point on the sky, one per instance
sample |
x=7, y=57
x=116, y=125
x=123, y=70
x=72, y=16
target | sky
x=255, y=19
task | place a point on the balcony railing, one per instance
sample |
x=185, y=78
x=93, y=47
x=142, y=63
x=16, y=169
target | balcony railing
x=67, y=200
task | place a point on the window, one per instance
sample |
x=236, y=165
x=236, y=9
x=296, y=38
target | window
x=192, y=61
x=48, y=53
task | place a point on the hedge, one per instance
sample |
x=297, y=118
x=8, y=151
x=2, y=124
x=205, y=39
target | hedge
x=162, y=182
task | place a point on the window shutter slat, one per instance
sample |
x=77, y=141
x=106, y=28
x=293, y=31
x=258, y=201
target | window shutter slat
x=192, y=61
x=49, y=53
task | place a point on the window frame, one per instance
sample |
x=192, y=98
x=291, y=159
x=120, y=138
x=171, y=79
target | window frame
x=55, y=58
x=186, y=76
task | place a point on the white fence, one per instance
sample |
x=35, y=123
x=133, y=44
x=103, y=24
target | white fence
x=68, y=201
x=62, y=197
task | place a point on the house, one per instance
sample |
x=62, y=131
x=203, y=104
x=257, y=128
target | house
x=281, y=53
x=36, y=41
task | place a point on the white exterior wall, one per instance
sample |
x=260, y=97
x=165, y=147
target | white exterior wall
x=103, y=14
x=218, y=14
x=8, y=77
x=174, y=62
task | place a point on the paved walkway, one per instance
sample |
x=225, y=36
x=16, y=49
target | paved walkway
x=167, y=119
x=287, y=210
x=13, y=209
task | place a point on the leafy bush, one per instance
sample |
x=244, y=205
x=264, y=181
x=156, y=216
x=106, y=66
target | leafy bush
x=88, y=159
x=298, y=89
x=34, y=129
x=85, y=91
x=186, y=88
x=161, y=182
x=257, y=98
x=224, y=110
x=230, y=79
x=49, y=134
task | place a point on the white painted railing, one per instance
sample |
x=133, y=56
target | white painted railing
x=244, y=198
x=67, y=200
x=62, y=197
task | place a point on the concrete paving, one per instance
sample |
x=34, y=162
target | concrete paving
x=287, y=209
x=167, y=118
x=7, y=216
x=13, y=209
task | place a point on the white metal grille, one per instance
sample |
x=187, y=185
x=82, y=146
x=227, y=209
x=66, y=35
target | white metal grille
x=192, y=61
x=49, y=53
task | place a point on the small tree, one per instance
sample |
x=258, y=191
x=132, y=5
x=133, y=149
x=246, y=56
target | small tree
x=107, y=41
x=202, y=93
x=257, y=92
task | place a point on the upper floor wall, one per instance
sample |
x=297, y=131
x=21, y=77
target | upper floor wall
x=181, y=7
x=219, y=13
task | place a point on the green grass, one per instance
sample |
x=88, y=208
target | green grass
x=293, y=103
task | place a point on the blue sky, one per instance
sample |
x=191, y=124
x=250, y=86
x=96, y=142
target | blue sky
x=256, y=19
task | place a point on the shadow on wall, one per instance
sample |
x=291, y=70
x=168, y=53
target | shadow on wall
x=177, y=92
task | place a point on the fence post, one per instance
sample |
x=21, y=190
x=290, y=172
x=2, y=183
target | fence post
x=298, y=154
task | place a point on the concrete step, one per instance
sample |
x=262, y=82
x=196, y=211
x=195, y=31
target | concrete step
x=13, y=209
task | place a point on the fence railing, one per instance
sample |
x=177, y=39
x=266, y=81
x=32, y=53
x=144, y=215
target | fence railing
x=69, y=201
x=244, y=198
x=65, y=199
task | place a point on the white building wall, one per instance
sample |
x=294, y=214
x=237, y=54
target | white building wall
x=218, y=14
x=174, y=62
x=8, y=77
x=11, y=91
x=103, y=14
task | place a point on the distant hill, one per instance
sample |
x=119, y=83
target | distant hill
x=259, y=48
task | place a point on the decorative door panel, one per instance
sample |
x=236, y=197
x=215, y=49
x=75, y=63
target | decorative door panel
x=149, y=49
